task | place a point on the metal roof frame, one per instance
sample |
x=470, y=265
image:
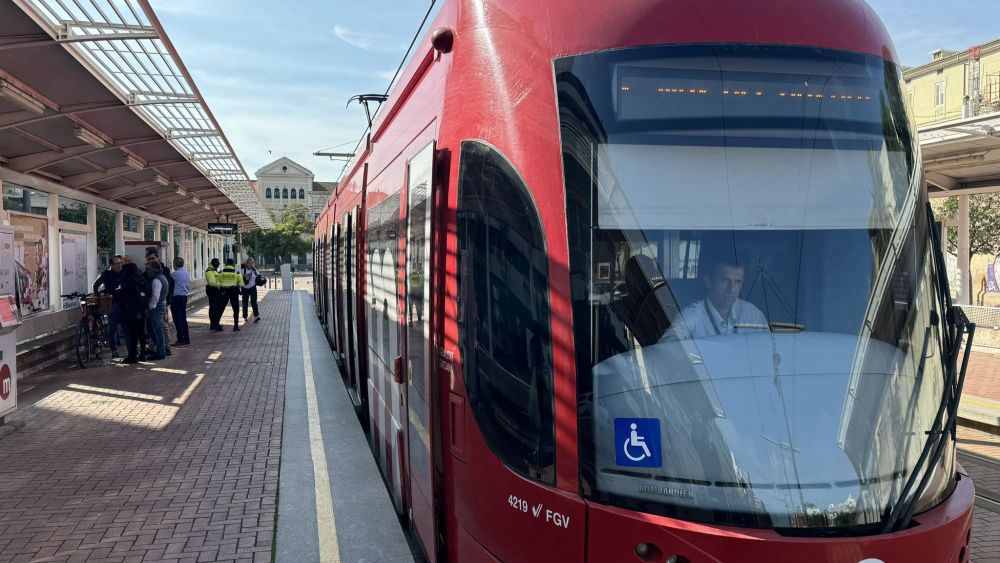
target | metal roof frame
x=123, y=44
x=962, y=156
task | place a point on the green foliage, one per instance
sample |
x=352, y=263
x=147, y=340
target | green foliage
x=105, y=229
x=984, y=227
x=291, y=235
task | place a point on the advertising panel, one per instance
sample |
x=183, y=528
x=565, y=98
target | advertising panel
x=31, y=258
x=73, y=249
x=8, y=268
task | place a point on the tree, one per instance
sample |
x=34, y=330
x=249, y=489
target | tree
x=984, y=230
x=292, y=234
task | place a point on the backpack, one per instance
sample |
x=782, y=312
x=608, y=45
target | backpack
x=135, y=293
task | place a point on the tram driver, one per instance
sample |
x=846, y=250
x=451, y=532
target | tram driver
x=722, y=311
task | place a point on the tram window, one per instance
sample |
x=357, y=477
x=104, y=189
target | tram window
x=504, y=293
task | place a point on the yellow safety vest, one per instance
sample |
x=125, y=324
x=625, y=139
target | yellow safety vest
x=228, y=278
x=212, y=277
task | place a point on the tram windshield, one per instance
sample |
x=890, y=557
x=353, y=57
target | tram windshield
x=753, y=289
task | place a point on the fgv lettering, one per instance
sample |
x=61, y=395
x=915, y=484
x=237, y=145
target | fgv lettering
x=556, y=518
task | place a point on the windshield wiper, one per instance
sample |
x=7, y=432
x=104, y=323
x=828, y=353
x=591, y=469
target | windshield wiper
x=946, y=418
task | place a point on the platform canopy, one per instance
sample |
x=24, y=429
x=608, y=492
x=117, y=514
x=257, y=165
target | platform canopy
x=93, y=96
x=962, y=157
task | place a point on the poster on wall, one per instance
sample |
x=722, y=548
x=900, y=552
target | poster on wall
x=991, y=276
x=7, y=265
x=31, y=258
x=73, y=249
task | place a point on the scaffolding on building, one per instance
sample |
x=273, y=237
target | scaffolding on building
x=983, y=90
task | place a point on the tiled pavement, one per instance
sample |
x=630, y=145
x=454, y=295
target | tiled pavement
x=173, y=460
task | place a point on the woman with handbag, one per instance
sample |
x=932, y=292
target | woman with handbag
x=250, y=278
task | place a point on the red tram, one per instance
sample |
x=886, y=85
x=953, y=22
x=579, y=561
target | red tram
x=651, y=281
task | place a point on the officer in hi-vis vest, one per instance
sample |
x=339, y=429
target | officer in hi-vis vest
x=231, y=281
x=214, y=292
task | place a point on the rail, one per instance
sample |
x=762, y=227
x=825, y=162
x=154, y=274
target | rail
x=983, y=317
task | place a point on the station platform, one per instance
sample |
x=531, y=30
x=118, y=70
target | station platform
x=240, y=447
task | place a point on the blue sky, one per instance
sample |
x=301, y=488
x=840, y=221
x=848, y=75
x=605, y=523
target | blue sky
x=277, y=75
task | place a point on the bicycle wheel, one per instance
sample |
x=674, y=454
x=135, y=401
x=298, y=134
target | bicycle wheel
x=82, y=344
x=98, y=336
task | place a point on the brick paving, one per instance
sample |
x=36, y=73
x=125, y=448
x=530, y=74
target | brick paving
x=173, y=460
x=983, y=376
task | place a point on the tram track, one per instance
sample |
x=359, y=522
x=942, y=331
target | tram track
x=986, y=499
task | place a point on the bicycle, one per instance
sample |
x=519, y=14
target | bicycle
x=92, y=331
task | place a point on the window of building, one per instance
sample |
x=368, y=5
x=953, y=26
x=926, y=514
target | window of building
x=939, y=93
x=149, y=230
x=294, y=195
x=72, y=211
x=105, y=237
x=302, y=194
x=284, y=193
x=130, y=223
x=25, y=200
x=505, y=339
x=268, y=192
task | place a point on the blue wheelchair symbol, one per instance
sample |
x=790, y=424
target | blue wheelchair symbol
x=637, y=442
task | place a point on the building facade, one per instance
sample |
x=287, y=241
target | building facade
x=955, y=101
x=285, y=182
x=955, y=84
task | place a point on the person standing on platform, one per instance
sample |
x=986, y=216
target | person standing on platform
x=250, y=275
x=231, y=281
x=134, y=300
x=158, y=290
x=153, y=255
x=111, y=280
x=214, y=292
x=178, y=302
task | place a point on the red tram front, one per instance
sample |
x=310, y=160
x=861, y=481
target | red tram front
x=651, y=281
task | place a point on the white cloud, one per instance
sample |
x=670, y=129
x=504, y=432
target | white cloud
x=365, y=42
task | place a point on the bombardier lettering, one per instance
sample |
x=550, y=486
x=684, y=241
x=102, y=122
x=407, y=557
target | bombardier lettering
x=665, y=491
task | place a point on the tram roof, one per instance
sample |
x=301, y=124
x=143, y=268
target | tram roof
x=93, y=96
x=962, y=156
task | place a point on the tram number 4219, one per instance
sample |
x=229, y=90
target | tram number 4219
x=551, y=517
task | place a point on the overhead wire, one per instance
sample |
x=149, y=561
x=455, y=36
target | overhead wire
x=392, y=81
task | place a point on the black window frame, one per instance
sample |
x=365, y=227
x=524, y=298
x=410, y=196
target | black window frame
x=522, y=438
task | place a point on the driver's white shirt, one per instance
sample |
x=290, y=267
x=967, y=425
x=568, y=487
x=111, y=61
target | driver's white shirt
x=695, y=322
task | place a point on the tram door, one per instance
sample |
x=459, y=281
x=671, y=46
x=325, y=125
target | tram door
x=334, y=327
x=338, y=297
x=319, y=280
x=420, y=388
x=350, y=303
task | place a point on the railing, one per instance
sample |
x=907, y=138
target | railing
x=983, y=317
